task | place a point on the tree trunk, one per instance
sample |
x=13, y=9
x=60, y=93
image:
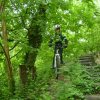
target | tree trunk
x=35, y=38
x=34, y=42
x=23, y=74
x=11, y=82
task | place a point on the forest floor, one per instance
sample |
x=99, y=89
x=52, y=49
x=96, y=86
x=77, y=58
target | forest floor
x=94, y=72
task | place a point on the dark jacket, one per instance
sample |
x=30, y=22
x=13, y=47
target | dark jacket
x=58, y=40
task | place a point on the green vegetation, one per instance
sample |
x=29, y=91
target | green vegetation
x=26, y=60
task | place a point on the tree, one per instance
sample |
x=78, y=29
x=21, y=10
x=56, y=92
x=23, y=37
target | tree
x=35, y=31
x=5, y=47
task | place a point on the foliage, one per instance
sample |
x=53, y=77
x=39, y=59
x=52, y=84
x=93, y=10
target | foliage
x=80, y=23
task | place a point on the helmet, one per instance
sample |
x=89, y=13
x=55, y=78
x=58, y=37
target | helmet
x=57, y=26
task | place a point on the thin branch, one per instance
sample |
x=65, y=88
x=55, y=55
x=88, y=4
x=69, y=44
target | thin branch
x=21, y=16
x=16, y=54
x=14, y=46
x=4, y=51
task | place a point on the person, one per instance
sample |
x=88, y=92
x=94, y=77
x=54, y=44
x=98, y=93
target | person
x=59, y=41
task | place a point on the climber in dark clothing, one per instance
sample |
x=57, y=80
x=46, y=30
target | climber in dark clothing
x=59, y=41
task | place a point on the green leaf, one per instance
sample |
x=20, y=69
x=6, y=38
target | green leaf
x=21, y=1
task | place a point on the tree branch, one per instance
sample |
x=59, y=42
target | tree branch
x=14, y=46
x=16, y=54
x=4, y=51
x=21, y=16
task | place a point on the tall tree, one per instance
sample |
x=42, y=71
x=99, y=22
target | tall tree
x=37, y=27
x=5, y=47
